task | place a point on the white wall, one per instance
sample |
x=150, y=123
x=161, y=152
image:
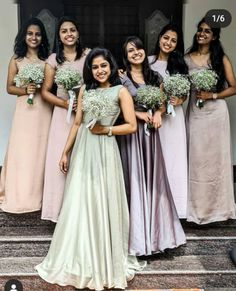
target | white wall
x=193, y=11
x=8, y=30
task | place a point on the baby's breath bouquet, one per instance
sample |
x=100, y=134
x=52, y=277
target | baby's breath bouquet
x=150, y=98
x=30, y=73
x=176, y=85
x=204, y=80
x=70, y=79
x=97, y=105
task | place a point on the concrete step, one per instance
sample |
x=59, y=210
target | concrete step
x=37, y=245
x=176, y=272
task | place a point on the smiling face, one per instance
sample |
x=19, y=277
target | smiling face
x=135, y=56
x=204, y=34
x=168, y=42
x=68, y=33
x=33, y=36
x=101, y=71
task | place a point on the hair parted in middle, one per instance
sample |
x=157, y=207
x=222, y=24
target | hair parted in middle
x=89, y=80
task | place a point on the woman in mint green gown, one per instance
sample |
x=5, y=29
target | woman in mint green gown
x=89, y=248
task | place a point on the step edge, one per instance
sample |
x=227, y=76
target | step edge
x=49, y=238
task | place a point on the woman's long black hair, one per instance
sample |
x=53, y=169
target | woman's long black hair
x=20, y=46
x=89, y=80
x=150, y=77
x=175, y=62
x=58, y=45
x=216, y=53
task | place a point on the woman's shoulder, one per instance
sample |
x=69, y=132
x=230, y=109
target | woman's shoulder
x=51, y=60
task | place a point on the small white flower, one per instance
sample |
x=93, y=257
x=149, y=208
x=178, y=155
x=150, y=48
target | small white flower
x=68, y=77
x=150, y=97
x=177, y=85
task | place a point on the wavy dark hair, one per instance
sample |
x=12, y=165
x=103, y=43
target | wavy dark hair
x=150, y=77
x=216, y=53
x=175, y=62
x=20, y=46
x=89, y=80
x=58, y=45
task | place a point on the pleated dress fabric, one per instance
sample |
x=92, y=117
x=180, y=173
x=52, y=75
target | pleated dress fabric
x=211, y=194
x=174, y=147
x=154, y=222
x=89, y=247
x=22, y=175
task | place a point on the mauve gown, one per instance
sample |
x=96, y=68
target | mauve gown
x=59, y=131
x=211, y=194
x=22, y=176
x=174, y=148
x=154, y=222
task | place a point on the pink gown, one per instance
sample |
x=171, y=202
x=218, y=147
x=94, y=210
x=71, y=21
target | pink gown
x=54, y=179
x=21, y=183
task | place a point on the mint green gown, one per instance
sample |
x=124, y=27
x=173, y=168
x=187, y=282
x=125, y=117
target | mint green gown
x=89, y=248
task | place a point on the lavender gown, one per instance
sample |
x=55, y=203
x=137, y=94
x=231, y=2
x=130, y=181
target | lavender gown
x=174, y=148
x=154, y=222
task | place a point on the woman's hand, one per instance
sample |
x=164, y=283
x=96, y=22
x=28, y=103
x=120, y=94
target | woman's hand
x=121, y=73
x=157, y=119
x=145, y=116
x=74, y=107
x=64, y=164
x=98, y=129
x=204, y=95
x=31, y=88
x=175, y=101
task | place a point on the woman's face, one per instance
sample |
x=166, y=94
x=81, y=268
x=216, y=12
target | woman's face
x=101, y=71
x=204, y=34
x=135, y=56
x=33, y=36
x=68, y=33
x=168, y=42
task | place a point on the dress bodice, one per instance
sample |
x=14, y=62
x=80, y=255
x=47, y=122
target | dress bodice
x=113, y=93
x=158, y=66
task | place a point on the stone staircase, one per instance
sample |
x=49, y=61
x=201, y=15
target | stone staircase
x=202, y=263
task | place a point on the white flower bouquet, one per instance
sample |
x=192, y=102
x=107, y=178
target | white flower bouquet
x=69, y=78
x=176, y=85
x=204, y=80
x=97, y=105
x=30, y=73
x=150, y=98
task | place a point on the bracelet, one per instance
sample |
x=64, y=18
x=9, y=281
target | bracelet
x=110, y=131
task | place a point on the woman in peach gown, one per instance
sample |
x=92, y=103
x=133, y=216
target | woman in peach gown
x=21, y=184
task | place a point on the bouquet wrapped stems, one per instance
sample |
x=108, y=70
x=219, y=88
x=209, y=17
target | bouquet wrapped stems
x=70, y=79
x=96, y=105
x=204, y=80
x=150, y=98
x=176, y=85
x=30, y=73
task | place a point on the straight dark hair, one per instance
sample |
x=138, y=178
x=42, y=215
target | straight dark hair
x=20, y=46
x=216, y=53
x=175, y=61
x=89, y=80
x=58, y=45
x=150, y=77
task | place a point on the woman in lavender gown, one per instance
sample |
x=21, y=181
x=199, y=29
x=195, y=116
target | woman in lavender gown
x=154, y=222
x=168, y=60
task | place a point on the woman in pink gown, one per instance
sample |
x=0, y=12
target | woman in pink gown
x=21, y=184
x=69, y=53
x=168, y=60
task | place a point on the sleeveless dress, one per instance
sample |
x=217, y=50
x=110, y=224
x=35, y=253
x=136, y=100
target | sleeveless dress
x=211, y=194
x=89, y=247
x=21, y=184
x=59, y=131
x=174, y=147
x=154, y=222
